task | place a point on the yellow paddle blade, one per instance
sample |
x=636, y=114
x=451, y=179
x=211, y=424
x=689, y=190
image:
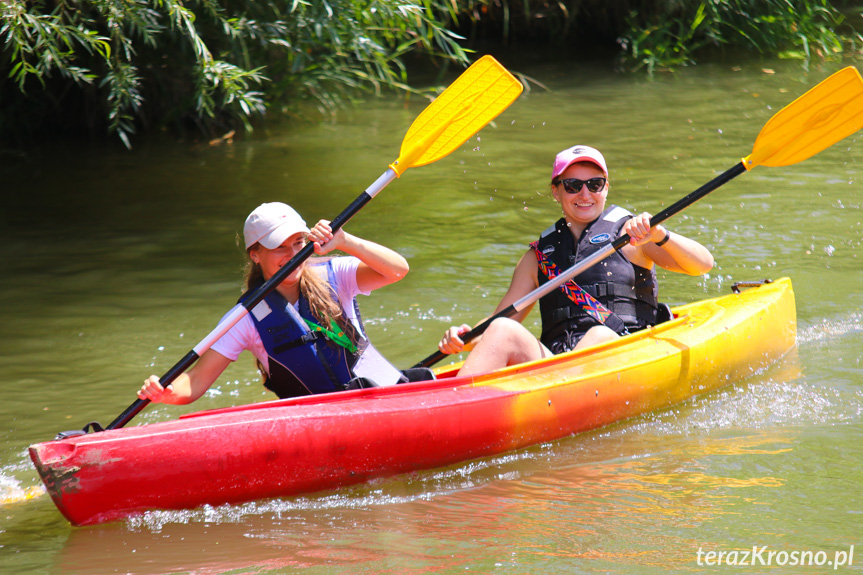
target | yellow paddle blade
x=476, y=97
x=830, y=111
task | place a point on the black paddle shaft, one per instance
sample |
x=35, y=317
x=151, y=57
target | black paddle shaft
x=249, y=303
x=613, y=247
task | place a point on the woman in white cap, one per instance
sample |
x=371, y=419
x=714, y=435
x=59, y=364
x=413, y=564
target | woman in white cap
x=306, y=335
x=616, y=296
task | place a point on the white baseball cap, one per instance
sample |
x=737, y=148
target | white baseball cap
x=271, y=224
x=575, y=154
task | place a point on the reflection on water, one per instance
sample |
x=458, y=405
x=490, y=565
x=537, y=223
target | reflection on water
x=113, y=265
x=595, y=499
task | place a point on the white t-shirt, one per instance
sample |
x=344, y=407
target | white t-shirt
x=244, y=335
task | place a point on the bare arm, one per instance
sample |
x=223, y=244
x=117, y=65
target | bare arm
x=679, y=254
x=379, y=265
x=188, y=386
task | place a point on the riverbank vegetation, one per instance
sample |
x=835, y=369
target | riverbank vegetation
x=207, y=65
x=663, y=35
x=118, y=67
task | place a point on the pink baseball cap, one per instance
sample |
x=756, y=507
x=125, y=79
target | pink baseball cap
x=577, y=154
x=271, y=224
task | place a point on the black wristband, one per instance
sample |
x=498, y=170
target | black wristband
x=662, y=242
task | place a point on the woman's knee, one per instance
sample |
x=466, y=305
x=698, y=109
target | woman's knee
x=505, y=342
x=596, y=335
x=506, y=329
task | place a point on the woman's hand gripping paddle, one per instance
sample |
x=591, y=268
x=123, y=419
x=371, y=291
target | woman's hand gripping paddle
x=827, y=113
x=474, y=99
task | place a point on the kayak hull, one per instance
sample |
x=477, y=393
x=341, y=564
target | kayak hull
x=302, y=445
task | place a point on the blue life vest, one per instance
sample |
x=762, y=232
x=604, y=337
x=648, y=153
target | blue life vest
x=628, y=290
x=306, y=362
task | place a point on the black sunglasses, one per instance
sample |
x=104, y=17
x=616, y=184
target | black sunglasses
x=573, y=185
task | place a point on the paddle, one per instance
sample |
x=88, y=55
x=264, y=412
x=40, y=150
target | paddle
x=827, y=113
x=474, y=99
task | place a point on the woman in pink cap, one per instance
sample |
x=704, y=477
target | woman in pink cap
x=307, y=335
x=616, y=296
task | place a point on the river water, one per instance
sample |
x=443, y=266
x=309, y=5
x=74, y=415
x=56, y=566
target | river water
x=114, y=264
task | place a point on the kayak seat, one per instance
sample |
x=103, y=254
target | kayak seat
x=418, y=374
x=663, y=313
x=408, y=376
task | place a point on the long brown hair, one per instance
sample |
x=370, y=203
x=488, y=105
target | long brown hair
x=314, y=287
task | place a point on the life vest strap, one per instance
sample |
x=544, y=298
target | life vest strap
x=306, y=338
x=576, y=294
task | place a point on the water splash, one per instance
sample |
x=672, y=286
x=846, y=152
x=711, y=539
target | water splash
x=830, y=328
x=13, y=491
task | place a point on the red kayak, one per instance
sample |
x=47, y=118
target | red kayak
x=287, y=447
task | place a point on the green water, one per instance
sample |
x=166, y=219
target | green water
x=113, y=265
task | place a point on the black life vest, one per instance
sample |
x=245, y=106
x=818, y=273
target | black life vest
x=305, y=362
x=628, y=290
